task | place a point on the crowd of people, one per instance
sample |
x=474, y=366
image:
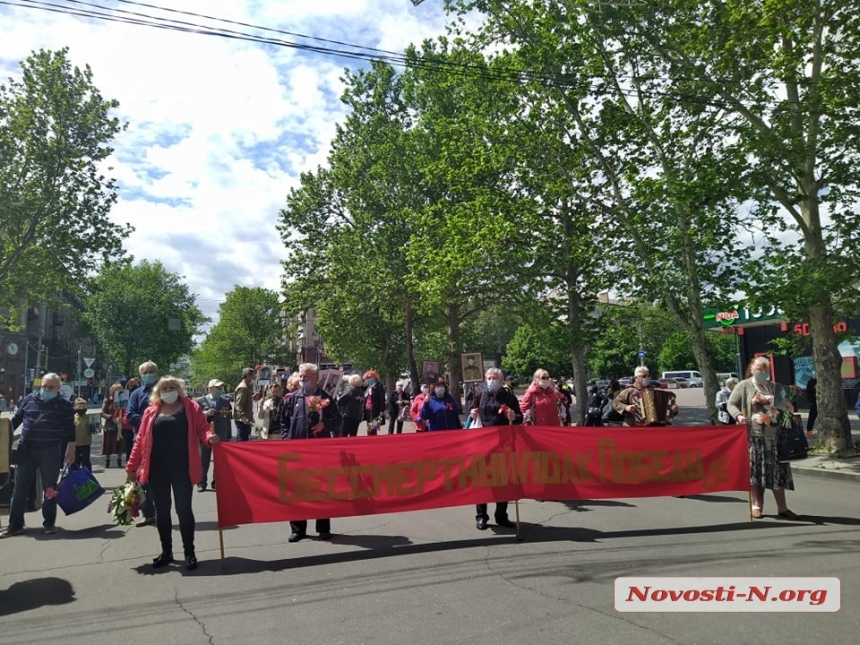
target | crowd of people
x=167, y=436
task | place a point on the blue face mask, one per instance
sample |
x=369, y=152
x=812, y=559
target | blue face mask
x=147, y=379
x=371, y=381
x=493, y=386
x=46, y=395
x=762, y=377
x=307, y=386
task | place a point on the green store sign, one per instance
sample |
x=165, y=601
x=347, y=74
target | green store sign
x=740, y=317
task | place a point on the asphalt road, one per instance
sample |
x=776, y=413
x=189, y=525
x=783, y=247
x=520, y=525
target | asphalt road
x=431, y=577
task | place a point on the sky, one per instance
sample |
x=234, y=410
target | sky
x=219, y=130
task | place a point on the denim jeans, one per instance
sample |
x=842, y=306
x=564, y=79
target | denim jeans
x=48, y=460
x=243, y=431
x=161, y=484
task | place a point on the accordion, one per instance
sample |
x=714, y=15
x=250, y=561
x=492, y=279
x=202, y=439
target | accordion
x=653, y=406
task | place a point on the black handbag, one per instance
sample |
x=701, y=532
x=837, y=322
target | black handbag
x=791, y=443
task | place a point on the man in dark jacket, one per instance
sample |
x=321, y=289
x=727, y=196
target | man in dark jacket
x=300, y=421
x=48, y=425
x=495, y=405
x=138, y=401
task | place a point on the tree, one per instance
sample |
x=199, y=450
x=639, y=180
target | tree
x=55, y=130
x=249, y=332
x=142, y=312
x=346, y=232
x=667, y=182
x=677, y=354
x=785, y=76
x=540, y=343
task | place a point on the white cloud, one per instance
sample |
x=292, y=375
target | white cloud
x=219, y=129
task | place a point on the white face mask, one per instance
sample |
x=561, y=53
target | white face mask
x=169, y=397
x=544, y=382
x=440, y=392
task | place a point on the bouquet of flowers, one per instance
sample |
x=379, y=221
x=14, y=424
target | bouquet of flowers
x=376, y=424
x=126, y=502
x=314, y=406
x=788, y=414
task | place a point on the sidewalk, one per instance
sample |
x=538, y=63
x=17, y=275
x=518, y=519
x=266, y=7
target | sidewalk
x=845, y=469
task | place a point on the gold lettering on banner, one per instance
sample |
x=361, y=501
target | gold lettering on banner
x=287, y=477
x=406, y=479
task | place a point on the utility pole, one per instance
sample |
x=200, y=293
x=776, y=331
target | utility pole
x=78, y=377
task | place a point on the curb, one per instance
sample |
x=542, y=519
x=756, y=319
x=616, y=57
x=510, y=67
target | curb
x=827, y=473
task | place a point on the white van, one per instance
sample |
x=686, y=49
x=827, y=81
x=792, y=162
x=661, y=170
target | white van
x=722, y=377
x=694, y=379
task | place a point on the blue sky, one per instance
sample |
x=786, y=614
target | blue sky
x=218, y=129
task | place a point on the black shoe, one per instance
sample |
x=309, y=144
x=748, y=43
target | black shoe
x=504, y=521
x=481, y=524
x=295, y=537
x=162, y=561
x=201, y=488
x=190, y=562
x=325, y=535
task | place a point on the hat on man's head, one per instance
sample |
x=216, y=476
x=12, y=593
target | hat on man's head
x=215, y=383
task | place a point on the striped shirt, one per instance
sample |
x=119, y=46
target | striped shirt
x=45, y=423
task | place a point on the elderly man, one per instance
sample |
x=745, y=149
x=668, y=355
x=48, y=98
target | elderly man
x=627, y=402
x=243, y=404
x=309, y=413
x=495, y=405
x=722, y=402
x=138, y=401
x=48, y=426
x=218, y=411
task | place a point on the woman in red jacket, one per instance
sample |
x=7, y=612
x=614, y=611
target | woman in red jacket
x=166, y=456
x=541, y=400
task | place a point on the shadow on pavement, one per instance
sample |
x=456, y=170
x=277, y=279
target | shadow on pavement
x=103, y=532
x=579, y=505
x=388, y=546
x=820, y=519
x=32, y=594
x=716, y=498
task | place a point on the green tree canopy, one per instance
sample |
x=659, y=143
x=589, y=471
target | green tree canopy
x=142, y=312
x=249, y=332
x=55, y=130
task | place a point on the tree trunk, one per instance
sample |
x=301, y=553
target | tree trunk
x=453, y=319
x=410, y=346
x=577, y=351
x=834, y=428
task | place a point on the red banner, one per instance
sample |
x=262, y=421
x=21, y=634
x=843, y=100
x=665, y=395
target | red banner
x=283, y=480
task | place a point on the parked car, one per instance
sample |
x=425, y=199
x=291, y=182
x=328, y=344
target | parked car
x=669, y=383
x=624, y=382
x=682, y=382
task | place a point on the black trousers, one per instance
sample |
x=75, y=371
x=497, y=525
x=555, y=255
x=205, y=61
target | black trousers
x=82, y=458
x=392, y=419
x=810, y=420
x=160, y=483
x=501, y=511
x=301, y=526
x=349, y=427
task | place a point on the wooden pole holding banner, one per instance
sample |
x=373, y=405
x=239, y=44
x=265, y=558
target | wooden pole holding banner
x=221, y=542
x=520, y=536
